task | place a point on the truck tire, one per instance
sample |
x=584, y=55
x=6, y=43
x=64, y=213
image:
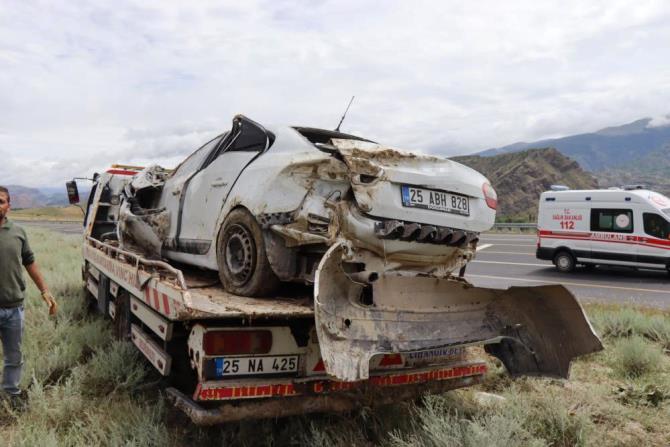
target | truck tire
x=564, y=262
x=244, y=268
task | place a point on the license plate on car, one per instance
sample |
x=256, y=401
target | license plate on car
x=432, y=199
x=244, y=366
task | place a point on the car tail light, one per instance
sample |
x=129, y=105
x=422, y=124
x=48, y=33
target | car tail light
x=490, y=196
x=237, y=342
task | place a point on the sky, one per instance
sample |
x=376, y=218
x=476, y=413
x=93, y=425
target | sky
x=87, y=84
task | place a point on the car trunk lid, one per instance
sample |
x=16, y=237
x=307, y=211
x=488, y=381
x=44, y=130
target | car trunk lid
x=382, y=179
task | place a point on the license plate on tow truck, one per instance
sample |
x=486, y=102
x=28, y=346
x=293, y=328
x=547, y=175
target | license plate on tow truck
x=433, y=199
x=245, y=366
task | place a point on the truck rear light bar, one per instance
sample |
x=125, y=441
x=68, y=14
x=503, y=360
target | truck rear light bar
x=237, y=342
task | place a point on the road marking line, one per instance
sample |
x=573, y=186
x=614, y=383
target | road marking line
x=576, y=284
x=513, y=263
x=508, y=239
x=509, y=253
x=495, y=234
x=518, y=245
x=483, y=247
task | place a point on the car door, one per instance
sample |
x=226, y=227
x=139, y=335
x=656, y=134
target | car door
x=208, y=190
x=654, y=248
x=176, y=183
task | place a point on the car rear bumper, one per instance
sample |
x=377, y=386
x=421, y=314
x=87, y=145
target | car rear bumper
x=545, y=253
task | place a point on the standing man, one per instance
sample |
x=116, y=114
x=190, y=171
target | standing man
x=15, y=252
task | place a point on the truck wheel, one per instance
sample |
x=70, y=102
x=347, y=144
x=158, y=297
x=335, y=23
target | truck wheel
x=564, y=262
x=244, y=268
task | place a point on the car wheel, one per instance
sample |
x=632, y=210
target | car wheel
x=244, y=268
x=564, y=262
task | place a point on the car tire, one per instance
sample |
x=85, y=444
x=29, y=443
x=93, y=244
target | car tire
x=244, y=268
x=564, y=262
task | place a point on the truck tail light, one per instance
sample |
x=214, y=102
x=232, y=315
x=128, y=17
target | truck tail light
x=237, y=342
x=490, y=196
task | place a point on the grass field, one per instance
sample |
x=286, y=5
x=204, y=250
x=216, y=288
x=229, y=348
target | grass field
x=52, y=213
x=85, y=389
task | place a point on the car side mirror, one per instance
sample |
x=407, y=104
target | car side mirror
x=72, y=192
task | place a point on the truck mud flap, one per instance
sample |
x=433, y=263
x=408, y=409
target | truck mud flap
x=532, y=330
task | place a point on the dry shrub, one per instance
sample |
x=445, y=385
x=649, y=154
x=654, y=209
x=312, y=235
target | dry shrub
x=523, y=419
x=634, y=357
x=626, y=322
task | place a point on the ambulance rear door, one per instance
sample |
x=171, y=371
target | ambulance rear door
x=567, y=225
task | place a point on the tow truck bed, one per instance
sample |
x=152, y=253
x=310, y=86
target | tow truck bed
x=186, y=294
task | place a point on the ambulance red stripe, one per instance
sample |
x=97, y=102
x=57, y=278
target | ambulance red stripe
x=630, y=239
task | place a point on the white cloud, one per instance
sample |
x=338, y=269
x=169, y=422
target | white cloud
x=85, y=85
x=660, y=121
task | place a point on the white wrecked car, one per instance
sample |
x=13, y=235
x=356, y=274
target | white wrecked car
x=381, y=233
x=262, y=205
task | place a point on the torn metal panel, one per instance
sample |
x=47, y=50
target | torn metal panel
x=150, y=177
x=533, y=330
x=144, y=232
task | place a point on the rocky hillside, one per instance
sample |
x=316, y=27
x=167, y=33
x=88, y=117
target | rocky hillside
x=652, y=170
x=520, y=177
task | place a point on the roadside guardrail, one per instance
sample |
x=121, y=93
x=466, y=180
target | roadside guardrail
x=525, y=226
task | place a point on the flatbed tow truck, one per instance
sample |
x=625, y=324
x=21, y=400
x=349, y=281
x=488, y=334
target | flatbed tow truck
x=232, y=358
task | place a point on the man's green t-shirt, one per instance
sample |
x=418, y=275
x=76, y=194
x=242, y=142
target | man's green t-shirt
x=14, y=253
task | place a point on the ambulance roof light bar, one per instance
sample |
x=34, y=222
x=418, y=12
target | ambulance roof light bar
x=559, y=188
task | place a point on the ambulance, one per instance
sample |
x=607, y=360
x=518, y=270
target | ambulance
x=627, y=226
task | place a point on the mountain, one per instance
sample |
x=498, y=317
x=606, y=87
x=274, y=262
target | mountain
x=24, y=197
x=519, y=178
x=610, y=148
x=652, y=170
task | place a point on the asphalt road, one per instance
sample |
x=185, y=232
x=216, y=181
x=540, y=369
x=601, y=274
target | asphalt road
x=505, y=260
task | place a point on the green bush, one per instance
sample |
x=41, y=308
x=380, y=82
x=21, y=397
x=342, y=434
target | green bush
x=522, y=419
x=634, y=356
x=626, y=322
